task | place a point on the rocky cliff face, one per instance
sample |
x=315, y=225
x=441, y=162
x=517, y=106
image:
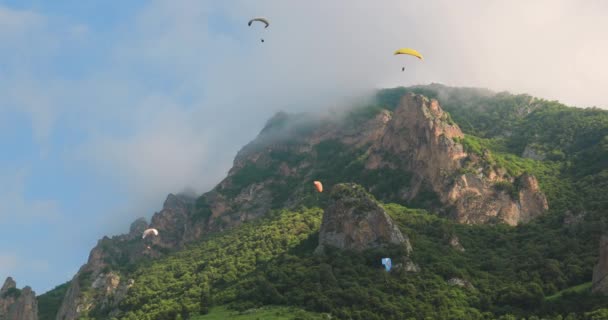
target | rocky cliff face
x=16, y=304
x=421, y=139
x=421, y=135
x=174, y=222
x=355, y=221
x=600, y=271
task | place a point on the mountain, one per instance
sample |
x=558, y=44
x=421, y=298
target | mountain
x=515, y=180
x=17, y=304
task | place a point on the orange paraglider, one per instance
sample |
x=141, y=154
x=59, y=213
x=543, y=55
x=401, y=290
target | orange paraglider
x=319, y=186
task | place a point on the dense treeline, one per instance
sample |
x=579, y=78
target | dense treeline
x=190, y=281
x=271, y=262
x=49, y=302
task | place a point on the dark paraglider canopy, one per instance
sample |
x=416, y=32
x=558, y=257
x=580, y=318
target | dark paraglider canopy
x=260, y=19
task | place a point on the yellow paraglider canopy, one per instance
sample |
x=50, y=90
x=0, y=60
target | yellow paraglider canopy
x=409, y=51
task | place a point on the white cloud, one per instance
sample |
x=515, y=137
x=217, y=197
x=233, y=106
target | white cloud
x=165, y=151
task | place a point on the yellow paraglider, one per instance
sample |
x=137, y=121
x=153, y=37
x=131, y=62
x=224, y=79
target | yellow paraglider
x=409, y=51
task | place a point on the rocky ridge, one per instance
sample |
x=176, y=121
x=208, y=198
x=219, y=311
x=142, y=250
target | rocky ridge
x=101, y=284
x=17, y=304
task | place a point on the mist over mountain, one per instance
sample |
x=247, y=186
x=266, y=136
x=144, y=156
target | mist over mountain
x=498, y=201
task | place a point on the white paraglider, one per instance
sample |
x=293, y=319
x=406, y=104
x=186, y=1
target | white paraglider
x=148, y=232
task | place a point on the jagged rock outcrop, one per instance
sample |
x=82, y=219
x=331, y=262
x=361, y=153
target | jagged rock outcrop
x=406, y=264
x=355, y=221
x=460, y=283
x=174, y=222
x=93, y=287
x=422, y=139
x=531, y=200
x=600, y=271
x=422, y=136
x=17, y=304
x=455, y=243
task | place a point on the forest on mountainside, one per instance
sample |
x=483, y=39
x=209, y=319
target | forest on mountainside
x=541, y=269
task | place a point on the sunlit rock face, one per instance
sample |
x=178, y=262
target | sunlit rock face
x=421, y=138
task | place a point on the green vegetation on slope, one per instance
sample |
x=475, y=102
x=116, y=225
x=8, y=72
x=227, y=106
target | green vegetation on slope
x=266, y=313
x=191, y=281
x=581, y=288
x=49, y=302
x=270, y=262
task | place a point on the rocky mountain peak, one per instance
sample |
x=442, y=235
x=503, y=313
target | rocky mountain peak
x=422, y=139
x=355, y=221
x=138, y=226
x=8, y=284
x=176, y=202
x=17, y=304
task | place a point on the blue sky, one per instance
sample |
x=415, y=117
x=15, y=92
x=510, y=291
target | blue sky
x=106, y=107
